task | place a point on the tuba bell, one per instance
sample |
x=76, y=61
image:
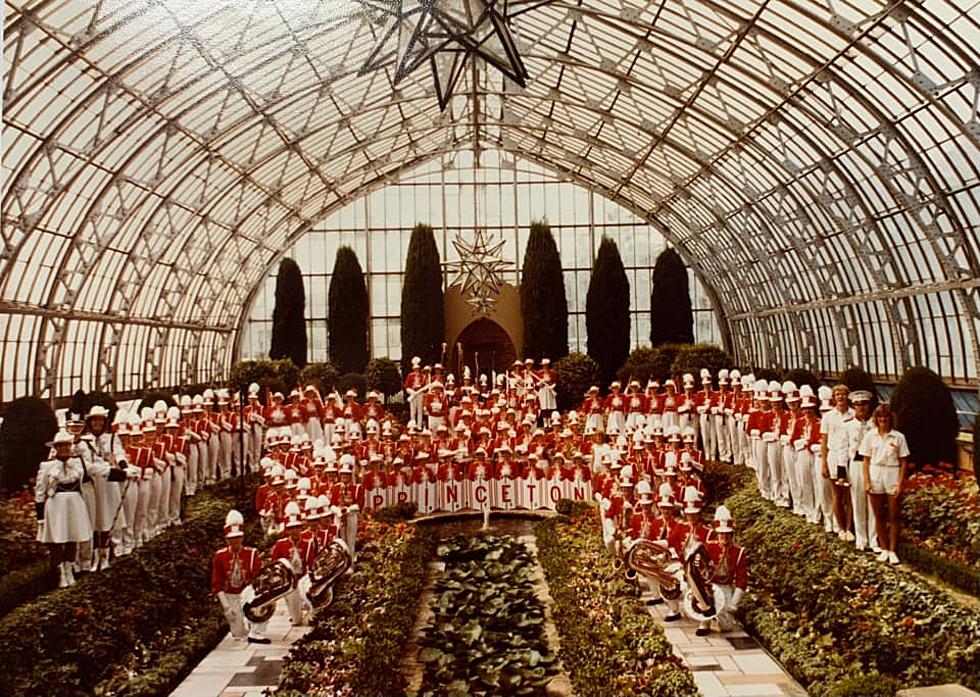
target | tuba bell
x=332, y=561
x=655, y=562
x=698, y=570
x=271, y=583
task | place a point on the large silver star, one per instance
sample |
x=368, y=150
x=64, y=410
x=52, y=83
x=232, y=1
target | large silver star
x=445, y=34
x=478, y=271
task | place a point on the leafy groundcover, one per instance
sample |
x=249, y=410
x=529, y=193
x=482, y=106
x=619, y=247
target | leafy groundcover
x=135, y=629
x=356, y=644
x=841, y=622
x=610, y=644
x=487, y=635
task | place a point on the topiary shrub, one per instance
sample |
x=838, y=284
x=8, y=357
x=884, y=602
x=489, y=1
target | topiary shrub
x=639, y=365
x=289, y=315
x=857, y=378
x=925, y=413
x=353, y=381
x=384, y=374
x=697, y=356
x=801, y=376
x=347, y=321
x=671, y=314
x=274, y=376
x=422, y=300
x=324, y=376
x=153, y=396
x=543, y=303
x=767, y=374
x=574, y=374
x=607, y=310
x=663, y=360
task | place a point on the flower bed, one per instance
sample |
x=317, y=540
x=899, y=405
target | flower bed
x=487, y=634
x=136, y=628
x=25, y=571
x=610, y=644
x=833, y=616
x=355, y=646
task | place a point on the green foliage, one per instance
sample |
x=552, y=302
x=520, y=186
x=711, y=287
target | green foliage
x=847, y=614
x=976, y=446
x=356, y=644
x=767, y=374
x=397, y=512
x=353, y=381
x=691, y=359
x=860, y=379
x=607, y=310
x=28, y=424
x=638, y=366
x=801, y=376
x=289, y=315
x=384, y=375
x=324, y=376
x=153, y=396
x=610, y=644
x=422, y=300
x=671, y=315
x=574, y=374
x=24, y=583
x=347, y=322
x=24, y=569
x=571, y=507
x=663, y=361
x=871, y=685
x=543, y=302
x=271, y=376
x=118, y=624
x=940, y=516
x=925, y=413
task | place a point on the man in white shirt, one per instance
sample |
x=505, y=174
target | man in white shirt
x=864, y=527
x=834, y=455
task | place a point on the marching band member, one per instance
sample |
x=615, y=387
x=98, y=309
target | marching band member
x=834, y=457
x=865, y=536
x=731, y=572
x=414, y=382
x=614, y=408
x=232, y=570
x=722, y=415
x=63, y=520
x=807, y=436
x=109, y=471
x=707, y=408
x=291, y=549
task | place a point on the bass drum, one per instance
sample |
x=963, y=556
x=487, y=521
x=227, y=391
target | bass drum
x=271, y=583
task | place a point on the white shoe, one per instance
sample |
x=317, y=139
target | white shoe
x=62, y=576
x=69, y=576
x=849, y=536
x=882, y=556
x=892, y=558
x=842, y=534
x=876, y=549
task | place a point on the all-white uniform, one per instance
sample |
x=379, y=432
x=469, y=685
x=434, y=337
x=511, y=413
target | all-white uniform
x=833, y=425
x=58, y=490
x=885, y=452
x=865, y=534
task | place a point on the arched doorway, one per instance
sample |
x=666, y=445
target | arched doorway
x=486, y=348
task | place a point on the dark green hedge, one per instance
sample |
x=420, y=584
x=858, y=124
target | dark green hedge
x=136, y=628
x=955, y=574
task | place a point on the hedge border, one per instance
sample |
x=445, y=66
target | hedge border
x=960, y=576
x=595, y=645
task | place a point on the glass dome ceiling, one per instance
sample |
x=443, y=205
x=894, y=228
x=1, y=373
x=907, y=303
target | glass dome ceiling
x=814, y=161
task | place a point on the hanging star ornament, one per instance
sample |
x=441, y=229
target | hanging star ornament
x=447, y=35
x=478, y=271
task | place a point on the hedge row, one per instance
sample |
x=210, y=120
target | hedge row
x=136, y=628
x=834, y=616
x=358, y=641
x=610, y=644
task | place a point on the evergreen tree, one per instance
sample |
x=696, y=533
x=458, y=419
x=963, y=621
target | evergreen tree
x=671, y=317
x=543, y=302
x=607, y=310
x=288, y=317
x=347, y=322
x=422, y=303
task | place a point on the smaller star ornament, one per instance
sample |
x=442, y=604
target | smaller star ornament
x=478, y=271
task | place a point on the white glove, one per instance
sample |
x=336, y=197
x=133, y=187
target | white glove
x=133, y=472
x=799, y=443
x=784, y=440
x=736, y=598
x=40, y=529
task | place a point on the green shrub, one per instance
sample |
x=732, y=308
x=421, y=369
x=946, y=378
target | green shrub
x=397, y=512
x=639, y=366
x=607, y=310
x=801, y=376
x=289, y=316
x=671, y=315
x=543, y=303
x=24, y=583
x=271, y=376
x=347, y=318
x=925, y=413
x=691, y=359
x=384, y=375
x=871, y=685
x=767, y=374
x=871, y=616
x=28, y=424
x=662, y=361
x=323, y=376
x=610, y=644
x=353, y=381
x=857, y=378
x=574, y=374
x=422, y=301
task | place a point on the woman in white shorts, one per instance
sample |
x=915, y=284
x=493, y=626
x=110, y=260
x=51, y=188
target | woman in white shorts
x=885, y=452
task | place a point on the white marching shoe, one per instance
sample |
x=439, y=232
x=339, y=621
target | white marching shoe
x=62, y=576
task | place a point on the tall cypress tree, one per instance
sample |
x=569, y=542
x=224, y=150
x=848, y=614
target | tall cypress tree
x=543, y=302
x=671, y=316
x=607, y=310
x=347, y=322
x=288, y=317
x=422, y=301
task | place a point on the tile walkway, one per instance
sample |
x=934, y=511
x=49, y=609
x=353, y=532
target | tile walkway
x=727, y=663
x=239, y=669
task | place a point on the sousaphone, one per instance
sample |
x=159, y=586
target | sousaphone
x=328, y=566
x=273, y=581
x=654, y=560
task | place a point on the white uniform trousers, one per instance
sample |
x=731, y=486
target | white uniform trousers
x=179, y=475
x=203, y=462
x=129, y=490
x=865, y=534
x=153, y=506
x=823, y=495
x=723, y=436
x=231, y=604
x=141, y=532
x=789, y=477
x=774, y=455
x=706, y=427
x=163, y=504
x=760, y=452
x=190, y=480
x=214, y=452
x=226, y=453
x=255, y=447
x=804, y=482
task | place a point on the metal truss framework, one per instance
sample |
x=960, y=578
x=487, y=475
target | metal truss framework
x=815, y=161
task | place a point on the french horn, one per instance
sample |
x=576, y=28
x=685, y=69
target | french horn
x=655, y=562
x=273, y=581
x=328, y=566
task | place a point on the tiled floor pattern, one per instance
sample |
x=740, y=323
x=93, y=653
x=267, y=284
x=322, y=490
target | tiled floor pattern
x=239, y=669
x=727, y=663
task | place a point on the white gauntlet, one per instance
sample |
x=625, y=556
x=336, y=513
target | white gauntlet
x=736, y=598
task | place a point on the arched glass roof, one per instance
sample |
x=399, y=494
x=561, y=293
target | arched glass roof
x=814, y=161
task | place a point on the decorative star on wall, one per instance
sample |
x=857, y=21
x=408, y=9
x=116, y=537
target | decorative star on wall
x=446, y=35
x=478, y=271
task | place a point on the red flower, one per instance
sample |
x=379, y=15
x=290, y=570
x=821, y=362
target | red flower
x=80, y=612
x=908, y=622
x=864, y=625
